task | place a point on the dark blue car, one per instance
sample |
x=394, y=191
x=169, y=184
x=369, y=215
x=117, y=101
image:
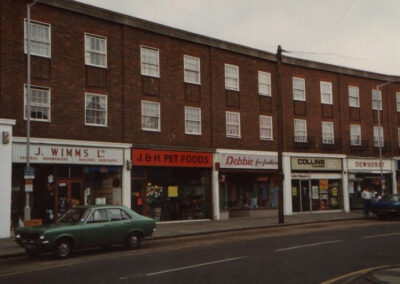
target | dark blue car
x=387, y=206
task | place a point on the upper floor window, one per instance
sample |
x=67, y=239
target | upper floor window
x=191, y=69
x=231, y=77
x=151, y=116
x=95, y=109
x=376, y=100
x=355, y=135
x=40, y=103
x=95, y=50
x=193, y=120
x=300, y=130
x=328, y=136
x=233, y=124
x=150, y=61
x=398, y=101
x=354, y=96
x=326, y=93
x=40, y=39
x=265, y=127
x=264, y=83
x=378, y=132
x=299, y=90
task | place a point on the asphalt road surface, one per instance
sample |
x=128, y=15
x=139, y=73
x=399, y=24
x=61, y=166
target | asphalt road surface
x=296, y=254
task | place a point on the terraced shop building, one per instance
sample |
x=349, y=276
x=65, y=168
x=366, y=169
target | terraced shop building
x=181, y=126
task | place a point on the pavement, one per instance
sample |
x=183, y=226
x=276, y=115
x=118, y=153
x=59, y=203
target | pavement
x=9, y=248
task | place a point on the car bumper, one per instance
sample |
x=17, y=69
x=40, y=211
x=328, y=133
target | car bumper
x=41, y=245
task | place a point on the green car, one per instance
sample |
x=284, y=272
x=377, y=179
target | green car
x=86, y=226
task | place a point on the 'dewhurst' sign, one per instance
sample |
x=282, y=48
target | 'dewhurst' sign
x=310, y=164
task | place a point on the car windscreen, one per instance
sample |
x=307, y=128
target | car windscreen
x=74, y=215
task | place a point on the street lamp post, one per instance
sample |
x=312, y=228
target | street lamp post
x=27, y=209
x=379, y=106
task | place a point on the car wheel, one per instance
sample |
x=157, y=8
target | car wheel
x=33, y=252
x=133, y=240
x=62, y=249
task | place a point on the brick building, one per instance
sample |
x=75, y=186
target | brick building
x=178, y=125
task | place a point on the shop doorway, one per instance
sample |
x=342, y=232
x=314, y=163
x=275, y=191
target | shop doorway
x=301, y=195
x=138, y=195
x=68, y=193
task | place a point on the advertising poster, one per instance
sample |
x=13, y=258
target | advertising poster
x=323, y=184
x=351, y=187
x=172, y=191
x=294, y=191
x=315, y=194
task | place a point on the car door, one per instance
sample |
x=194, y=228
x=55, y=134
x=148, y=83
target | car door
x=96, y=231
x=120, y=223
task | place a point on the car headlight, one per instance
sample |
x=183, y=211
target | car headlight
x=41, y=237
x=18, y=236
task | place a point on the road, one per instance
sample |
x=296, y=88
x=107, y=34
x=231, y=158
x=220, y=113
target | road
x=295, y=254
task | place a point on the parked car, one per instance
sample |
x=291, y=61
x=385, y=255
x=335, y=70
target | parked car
x=86, y=226
x=388, y=205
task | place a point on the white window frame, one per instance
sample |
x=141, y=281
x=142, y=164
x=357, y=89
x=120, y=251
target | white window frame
x=234, y=77
x=87, y=58
x=230, y=124
x=326, y=93
x=142, y=63
x=266, y=124
x=328, y=132
x=26, y=38
x=187, y=109
x=187, y=68
x=87, y=95
x=37, y=104
x=354, y=96
x=158, y=129
x=376, y=136
x=297, y=138
x=299, y=91
x=376, y=103
x=355, y=135
x=398, y=135
x=264, y=82
x=398, y=101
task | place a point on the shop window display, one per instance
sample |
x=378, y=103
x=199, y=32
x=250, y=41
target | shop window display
x=248, y=191
x=357, y=182
x=316, y=195
x=177, y=193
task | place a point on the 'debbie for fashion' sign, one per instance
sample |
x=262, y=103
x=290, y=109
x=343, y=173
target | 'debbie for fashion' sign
x=247, y=161
x=148, y=157
x=53, y=154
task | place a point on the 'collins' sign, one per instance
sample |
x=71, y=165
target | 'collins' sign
x=326, y=164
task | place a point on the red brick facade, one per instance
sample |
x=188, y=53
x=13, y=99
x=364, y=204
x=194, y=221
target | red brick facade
x=66, y=74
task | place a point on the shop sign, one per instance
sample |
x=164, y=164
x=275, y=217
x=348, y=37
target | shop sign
x=300, y=176
x=366, y=164
x=52, y=154
x=326, y=164
x=146, y=157
x=247, y=161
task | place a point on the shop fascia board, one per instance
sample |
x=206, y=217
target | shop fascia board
x=369, y=158
x=9, y=122
x=245, y=152
x=79, y=143
x=313, y=155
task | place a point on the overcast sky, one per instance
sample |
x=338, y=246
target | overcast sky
x=361, y=34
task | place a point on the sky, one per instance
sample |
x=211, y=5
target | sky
x=360, y=34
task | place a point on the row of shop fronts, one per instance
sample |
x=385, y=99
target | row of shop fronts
x=171, y=185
